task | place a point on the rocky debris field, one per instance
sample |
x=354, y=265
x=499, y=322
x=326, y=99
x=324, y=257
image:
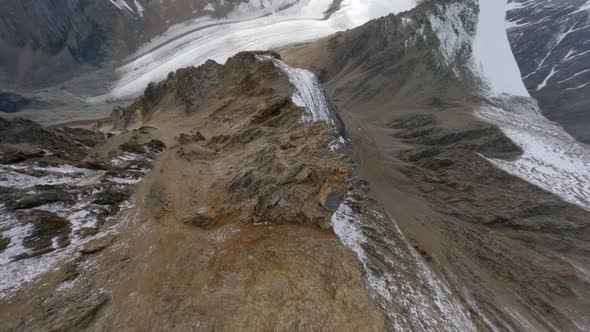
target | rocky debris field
x=55, y=194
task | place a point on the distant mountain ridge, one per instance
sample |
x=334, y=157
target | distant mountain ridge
x=47, y=40
x=551, y=42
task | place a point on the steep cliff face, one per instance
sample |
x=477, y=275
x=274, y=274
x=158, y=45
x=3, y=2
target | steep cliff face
x=549, y=39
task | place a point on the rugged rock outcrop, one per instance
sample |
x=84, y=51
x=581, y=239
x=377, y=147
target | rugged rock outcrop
x=60, y=188
x=272, y=173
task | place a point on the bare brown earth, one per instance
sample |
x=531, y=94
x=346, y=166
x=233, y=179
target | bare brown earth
x=512, y=251
x=204, y=249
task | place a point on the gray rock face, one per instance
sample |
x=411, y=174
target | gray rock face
x=47, y=41
x=21, y=131
x=550, y=42
x=12, y=103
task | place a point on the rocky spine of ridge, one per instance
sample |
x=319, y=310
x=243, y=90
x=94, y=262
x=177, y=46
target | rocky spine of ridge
x=230, y=214
x=278, y=182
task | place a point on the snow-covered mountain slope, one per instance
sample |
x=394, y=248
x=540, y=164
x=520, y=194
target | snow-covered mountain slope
x=550, y=42
x=194, y=42
x=552, y=158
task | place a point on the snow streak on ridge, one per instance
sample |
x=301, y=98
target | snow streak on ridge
x=402, y=284
x=309, y=94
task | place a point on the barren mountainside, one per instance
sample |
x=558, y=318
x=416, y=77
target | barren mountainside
x=396, y=176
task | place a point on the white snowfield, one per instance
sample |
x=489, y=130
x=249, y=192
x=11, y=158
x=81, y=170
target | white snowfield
x=248, y=28
x=552, y=159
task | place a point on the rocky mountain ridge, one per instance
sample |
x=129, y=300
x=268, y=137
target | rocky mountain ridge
x=388, y=191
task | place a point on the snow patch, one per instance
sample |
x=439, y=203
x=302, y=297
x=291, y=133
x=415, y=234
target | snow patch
x=450, y=30
x=552, y=160
x=575, y=75
x=27, y=176
x=544, y=83
x=400, y=278
x=309, y=93
x=585, y=7
x=123, y=6
x=337, y=143
x=138, y=7
x=345, y=225
x=583, y=85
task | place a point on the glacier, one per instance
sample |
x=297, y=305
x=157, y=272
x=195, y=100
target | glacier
x=248, y=28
